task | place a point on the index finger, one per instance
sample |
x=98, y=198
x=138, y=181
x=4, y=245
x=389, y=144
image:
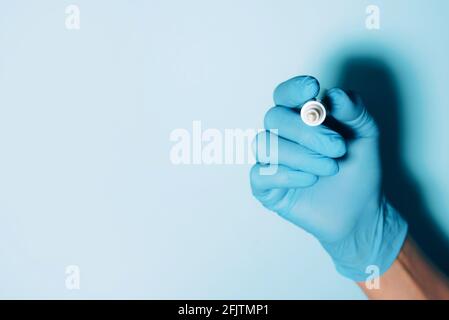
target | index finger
x=295, y=92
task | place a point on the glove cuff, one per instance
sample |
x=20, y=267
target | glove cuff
x=386, y=238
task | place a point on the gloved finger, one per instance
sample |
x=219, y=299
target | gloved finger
x=292, y=155
x=320, y=139
x=283, y=177
x=348, y=108
x=296, y=91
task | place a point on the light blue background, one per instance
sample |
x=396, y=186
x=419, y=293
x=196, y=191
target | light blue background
x=85, y=116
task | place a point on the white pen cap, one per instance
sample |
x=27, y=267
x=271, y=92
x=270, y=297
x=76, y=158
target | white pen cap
x=313, y=113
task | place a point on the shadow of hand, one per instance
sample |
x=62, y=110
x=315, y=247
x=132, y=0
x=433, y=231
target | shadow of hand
x=374, y=80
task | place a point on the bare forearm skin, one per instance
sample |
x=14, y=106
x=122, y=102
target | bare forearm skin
x=411, y=277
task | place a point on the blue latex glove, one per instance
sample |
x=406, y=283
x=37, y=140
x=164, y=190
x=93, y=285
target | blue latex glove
x=328, y=185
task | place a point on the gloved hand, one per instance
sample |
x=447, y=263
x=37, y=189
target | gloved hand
x=329, y=185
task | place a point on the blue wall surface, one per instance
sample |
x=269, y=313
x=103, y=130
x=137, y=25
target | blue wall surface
x=85, y=120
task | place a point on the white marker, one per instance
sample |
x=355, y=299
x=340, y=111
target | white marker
x=313, y=113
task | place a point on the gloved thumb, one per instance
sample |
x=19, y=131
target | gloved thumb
x=348, y=108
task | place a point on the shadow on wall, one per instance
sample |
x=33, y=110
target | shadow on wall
x=378, y=86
